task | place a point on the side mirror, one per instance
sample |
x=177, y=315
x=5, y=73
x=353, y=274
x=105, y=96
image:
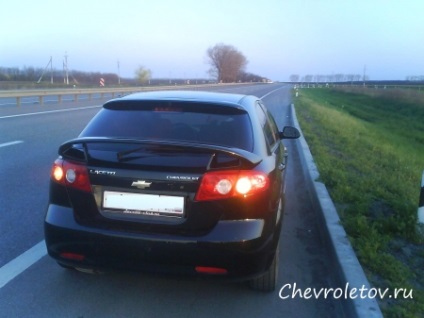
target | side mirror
x=289, y=133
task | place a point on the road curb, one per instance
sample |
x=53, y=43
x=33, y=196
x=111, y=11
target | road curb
x=348, y=269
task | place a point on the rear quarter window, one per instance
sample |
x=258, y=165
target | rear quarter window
x=268, y=125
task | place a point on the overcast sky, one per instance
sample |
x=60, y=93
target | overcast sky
x=278, y=37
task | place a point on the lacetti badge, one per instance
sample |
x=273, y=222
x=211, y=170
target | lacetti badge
x=141, y=184
x=102, y=172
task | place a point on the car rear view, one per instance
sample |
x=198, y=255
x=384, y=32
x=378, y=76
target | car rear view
x=168, y=182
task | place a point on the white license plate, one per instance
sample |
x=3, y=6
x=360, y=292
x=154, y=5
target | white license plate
x=143, y=204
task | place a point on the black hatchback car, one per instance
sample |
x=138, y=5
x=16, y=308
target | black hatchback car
x=174, y=181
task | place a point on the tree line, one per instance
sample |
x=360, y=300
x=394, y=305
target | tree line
x=328, y=78
x=341, y=78
x=227, y=65
x=33, y=74
x=415, y=78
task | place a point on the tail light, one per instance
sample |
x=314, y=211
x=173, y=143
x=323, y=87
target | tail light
x=71, y=174
x=211, y=270
x=72, y=256
x=226, y=184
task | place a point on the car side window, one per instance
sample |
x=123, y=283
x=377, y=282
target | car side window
x=269, y=128
x=274, y=127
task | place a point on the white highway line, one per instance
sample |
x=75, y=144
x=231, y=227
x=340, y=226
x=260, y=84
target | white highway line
x=50, y=111
x=269, y=93
x=11, y=143
x=21, y=263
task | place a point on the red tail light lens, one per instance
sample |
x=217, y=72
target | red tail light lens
x=211, y=270
x=71, y=174
x=72, y=256
x=225, y=184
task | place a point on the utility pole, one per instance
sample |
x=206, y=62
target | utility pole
x=364, y=78
x=51, y=71
x=65, y=70
x=119, y=75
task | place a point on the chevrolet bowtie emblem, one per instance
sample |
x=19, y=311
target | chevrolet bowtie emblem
x=141, y=184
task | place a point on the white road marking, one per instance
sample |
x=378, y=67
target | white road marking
x=269, y=93
x=11, y=143
x=50, y=111
x=21, y=263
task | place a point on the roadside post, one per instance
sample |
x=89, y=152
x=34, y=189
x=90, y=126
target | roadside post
x=420, y=225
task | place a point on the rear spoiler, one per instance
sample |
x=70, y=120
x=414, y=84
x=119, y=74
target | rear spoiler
x=67, y=149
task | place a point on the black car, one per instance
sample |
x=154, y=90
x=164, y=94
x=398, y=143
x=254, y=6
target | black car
x=174, y=181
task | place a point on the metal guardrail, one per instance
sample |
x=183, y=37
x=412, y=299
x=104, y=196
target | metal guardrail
x=41, y=94
x=116, y=91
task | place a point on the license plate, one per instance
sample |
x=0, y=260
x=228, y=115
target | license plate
x=144, y=204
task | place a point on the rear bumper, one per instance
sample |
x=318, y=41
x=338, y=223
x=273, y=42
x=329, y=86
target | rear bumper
x=240, y=247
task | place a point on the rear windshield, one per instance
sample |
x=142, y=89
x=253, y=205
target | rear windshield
x=189, y=122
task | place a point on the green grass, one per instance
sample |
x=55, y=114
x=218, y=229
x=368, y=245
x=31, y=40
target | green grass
x=370, y=154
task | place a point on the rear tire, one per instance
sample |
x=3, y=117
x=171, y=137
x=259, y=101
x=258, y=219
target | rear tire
x=267, y=281
x=90, y=271
x=66, y=266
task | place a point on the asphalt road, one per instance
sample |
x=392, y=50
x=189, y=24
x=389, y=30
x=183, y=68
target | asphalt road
x=29, y=138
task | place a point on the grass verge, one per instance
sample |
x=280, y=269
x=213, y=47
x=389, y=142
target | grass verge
x=370, y=155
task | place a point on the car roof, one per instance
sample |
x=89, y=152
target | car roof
x=192, y=96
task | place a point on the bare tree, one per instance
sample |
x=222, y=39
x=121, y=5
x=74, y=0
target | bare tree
x=320, y=78
x=250, y=77
x=350, y=77
x=226, y=62
x=308, y=78
x=294, y=78
x=339, y=77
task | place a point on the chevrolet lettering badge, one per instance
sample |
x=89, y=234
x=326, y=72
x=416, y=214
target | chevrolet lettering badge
x=141, y=184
